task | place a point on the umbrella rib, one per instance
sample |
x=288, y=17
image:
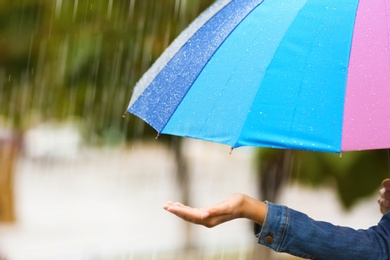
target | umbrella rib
x=174, y=48
x=216, y=49
x=215, y=103
x=254, y=96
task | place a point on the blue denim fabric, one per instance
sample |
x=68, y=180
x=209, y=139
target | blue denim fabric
x=292, y=232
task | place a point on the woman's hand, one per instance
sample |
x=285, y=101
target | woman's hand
x=235, y=206
x=384, y=199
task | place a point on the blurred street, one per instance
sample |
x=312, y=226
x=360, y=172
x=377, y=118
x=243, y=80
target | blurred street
x=107, y=204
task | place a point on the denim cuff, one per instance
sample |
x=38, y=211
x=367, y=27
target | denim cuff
x=272, y=232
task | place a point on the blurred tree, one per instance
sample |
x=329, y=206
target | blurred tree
x=353, y=176
x=61, y=59
x=10, y=147
x=82, y=58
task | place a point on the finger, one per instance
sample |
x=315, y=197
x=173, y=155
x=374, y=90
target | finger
x=178, y=208
x=168, y=204
x=187, y=213
x=386, y=184
x=385, y=203
x=191, y=215
x=384, y=193
x=181, y=205
x=204, y=215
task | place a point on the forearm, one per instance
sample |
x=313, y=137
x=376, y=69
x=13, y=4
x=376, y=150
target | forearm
x=297, y=234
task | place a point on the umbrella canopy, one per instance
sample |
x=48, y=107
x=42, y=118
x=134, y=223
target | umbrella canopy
x=296, y=74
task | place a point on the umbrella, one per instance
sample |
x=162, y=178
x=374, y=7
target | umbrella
x=295, y=74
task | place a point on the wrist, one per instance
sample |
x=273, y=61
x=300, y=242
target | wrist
x=254, y=210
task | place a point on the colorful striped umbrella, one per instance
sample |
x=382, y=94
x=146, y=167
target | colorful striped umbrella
x=295, y=74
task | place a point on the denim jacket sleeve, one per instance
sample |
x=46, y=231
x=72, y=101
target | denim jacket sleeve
x=292, y=232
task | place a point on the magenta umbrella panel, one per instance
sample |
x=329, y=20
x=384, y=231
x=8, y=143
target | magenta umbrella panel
x=294, y=74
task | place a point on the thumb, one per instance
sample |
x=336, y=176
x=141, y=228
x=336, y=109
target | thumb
x=204, y=215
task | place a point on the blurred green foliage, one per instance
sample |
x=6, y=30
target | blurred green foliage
x=82, y=58
x=353, y=176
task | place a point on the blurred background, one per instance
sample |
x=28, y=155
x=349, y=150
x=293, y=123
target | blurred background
x=80, y=181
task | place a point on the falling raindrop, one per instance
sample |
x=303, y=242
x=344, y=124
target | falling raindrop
x=58, y=7
x=109, y=9
x=75, y=8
